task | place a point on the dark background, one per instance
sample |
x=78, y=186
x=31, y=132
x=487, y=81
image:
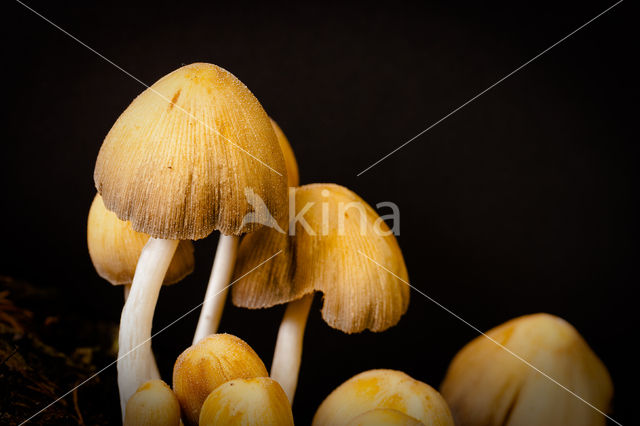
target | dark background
x=521, y=202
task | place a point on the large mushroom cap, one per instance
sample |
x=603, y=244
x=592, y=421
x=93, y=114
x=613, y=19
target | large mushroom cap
x=178, y=162
x=114, y=248
x=209, y=363
x=353, y=259
x=247, y=402
x=383, y=389
x=486, y=385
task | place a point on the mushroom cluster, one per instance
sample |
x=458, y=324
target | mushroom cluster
x=196, y=153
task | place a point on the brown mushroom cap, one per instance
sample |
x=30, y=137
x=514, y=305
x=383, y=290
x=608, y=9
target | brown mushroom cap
x=386, y=389
x=293, y=177
x=257, y=401
x=486, y=385
x=114, y=248
x=153, y=404
x=358, y=293
x=179, y=159
x=209, y=363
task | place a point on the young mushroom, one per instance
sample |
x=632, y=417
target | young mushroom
x=247, y=402
x=114, y=248
x=153, y=404
x=338, y=246
x=224, y=260
x=384, y=417
x=487, y=385
x=209, y=363
x=383, y=389
x=177, y=164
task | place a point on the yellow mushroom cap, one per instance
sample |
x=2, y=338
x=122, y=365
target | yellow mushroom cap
x=114, y=248
x=247, y=402
x=388, y=389
x=486, y=385
x=153, y=404
x=353, y=259
x=293, y=178
x=178, y=161
x=384, y=417
x=209, y=363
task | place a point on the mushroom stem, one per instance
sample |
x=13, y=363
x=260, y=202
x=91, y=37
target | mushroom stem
x=136, y=364
x=217, y=289
x=288, y=353
x=127, y=289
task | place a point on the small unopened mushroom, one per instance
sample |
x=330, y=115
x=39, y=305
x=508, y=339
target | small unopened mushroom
x=224, y=261
x=384, y=417
x=247, y=402
x=177, y=164
x=487, y=385
x=383, y=389
x=340, y=247
x=209, y=363
x=153, y=404
x=114, y=248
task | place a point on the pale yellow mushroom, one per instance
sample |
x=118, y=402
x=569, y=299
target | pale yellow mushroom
x=384, y=417
x=153, y=404
x=341, y=248
x=293, y=177
x=178, y=164
x=486, y=385
x=383, y=389
x=209, y=363
x=247, y=402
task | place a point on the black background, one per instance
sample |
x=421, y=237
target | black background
x=521, y=202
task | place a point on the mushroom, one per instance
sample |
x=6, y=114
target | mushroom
x=337, y=246
x=224, y=261
x=114, y=248
x=153, y=404
x=247, y=402
x=384, y=417
x=176, y=164
x=383, y=389
x=209, y=363
x=488, y=385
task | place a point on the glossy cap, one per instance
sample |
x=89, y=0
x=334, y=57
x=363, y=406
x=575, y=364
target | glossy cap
x=486, y=385
x=209, y=363
x=247, y=402
x=353, y=259
x=387, y=389
x=180, y=160
x=114, y=248
x=153, y=404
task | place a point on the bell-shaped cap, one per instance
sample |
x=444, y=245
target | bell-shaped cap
x=209, y=363
x=343, y=249
x=180, y=159
x=383, y=389
x=247, y=402
x=153, y=404
x=114, y=248
x=487, y=385
x=293, y=177
x=384, y=417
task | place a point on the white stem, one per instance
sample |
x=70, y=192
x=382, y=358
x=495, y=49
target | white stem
x=216, y=295
x=288, y=353
x=136, y=363
x=127, y=289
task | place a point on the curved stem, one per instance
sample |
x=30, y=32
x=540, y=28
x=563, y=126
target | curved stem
x=136, y=363
x=288, y=353
x=218, y=287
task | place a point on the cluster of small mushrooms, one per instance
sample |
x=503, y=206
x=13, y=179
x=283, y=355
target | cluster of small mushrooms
x=195, y=153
